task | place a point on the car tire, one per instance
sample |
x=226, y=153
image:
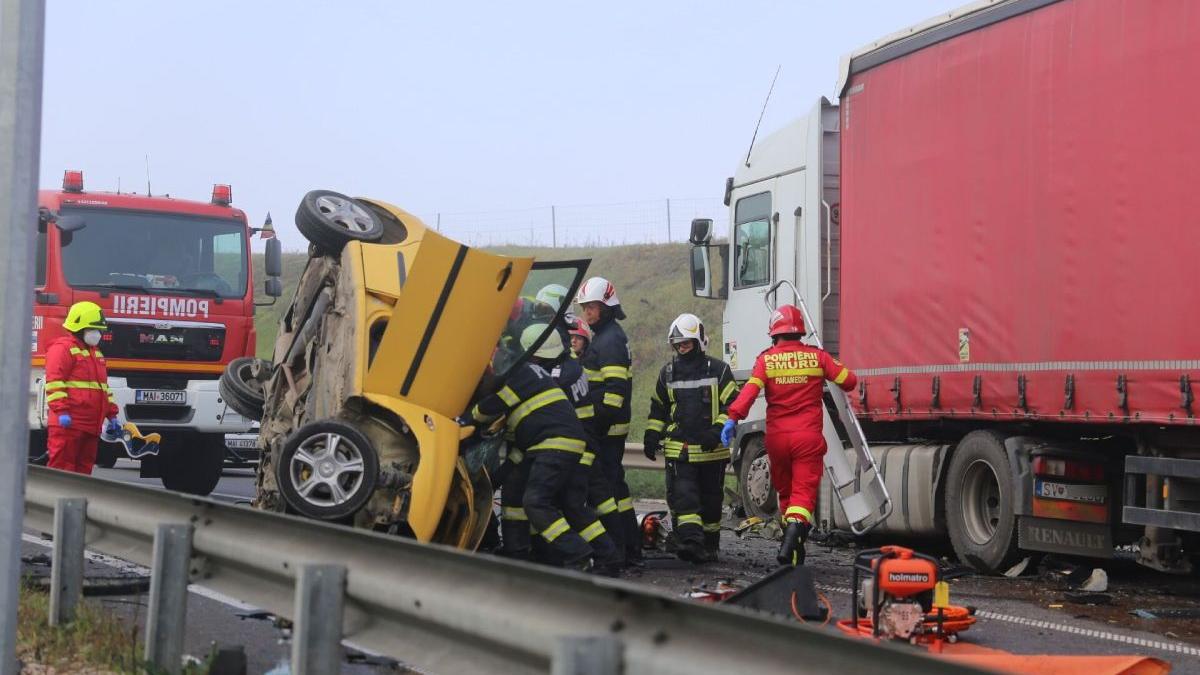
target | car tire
x=330, y=220
x=759, y=498
x=189, y=464
x=327, y=470
x=107, y=455
x=241, y=386
x=980, y=495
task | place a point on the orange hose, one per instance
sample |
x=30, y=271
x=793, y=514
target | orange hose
x=822, y=598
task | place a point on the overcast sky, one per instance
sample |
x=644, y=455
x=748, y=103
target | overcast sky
x=436, y=107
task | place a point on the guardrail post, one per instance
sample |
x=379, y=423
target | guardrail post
x=317, y=634
x=168, y=597
x=586, y=655
x=66, y=568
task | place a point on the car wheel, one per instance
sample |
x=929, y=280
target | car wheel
x=107, y=454
x=241, y=386
x=327, y=470
x=188, y=464
x=754, y=480
x=329, y=220
x=979, y=503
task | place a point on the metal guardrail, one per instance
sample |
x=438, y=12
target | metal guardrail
x=432, y=607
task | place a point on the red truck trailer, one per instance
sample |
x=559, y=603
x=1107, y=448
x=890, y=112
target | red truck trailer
x=174, y=279
x=993, y=227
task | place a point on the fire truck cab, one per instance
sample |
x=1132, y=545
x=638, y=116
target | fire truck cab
x=175, y=281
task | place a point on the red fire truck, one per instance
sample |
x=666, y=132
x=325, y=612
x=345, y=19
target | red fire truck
x=174, y=279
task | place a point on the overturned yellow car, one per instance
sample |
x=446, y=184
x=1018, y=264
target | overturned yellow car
x=393, y=333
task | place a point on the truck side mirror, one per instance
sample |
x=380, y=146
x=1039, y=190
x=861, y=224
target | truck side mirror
x=273, y=264
x=702, y=229
x=273, y=287
x=70, y=223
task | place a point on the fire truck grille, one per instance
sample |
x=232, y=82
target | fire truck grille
x=147, y=341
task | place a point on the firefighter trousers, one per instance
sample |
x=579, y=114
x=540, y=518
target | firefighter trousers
x=548, y=499
x=514, y=523
x=71, y=449
x=797, y=461
x=602, y=500
x=695, y=492
x=609, y=460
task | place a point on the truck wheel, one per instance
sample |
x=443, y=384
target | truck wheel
x=107, y=454
x=190, y=464
x=241, y=386
x=979, y=503
x=330, y=220
x=327, y=470
x=754, y=481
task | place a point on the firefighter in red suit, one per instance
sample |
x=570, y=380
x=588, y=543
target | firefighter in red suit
x=793, y=376
x=77, y=391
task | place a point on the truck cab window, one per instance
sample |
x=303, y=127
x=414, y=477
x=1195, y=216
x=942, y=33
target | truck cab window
x=752, y=241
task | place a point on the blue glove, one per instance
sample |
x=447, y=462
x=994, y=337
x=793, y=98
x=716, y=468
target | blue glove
x=112, y=427
x=727, y=432
x=64, y=421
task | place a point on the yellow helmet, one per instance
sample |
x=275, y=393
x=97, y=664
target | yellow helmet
x=84, y=315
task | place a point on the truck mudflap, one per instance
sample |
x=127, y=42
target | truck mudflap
x=859, y=489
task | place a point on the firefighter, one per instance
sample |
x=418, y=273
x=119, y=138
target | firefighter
x=585, y=482
x=793, y=376
x=77, y=392
x=580, y=334
x=607, y=363
x=687, y=413
x=548, y=442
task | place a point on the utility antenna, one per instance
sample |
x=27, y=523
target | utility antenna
x=760, y=114
x=148, y=164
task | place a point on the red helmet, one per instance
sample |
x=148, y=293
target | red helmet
x=786, y=319
x=577, y=326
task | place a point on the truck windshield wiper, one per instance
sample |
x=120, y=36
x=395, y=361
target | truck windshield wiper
x=113, y=287
x=205, y=292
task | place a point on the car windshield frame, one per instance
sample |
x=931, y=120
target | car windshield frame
x=580, y=267
x=227, y=273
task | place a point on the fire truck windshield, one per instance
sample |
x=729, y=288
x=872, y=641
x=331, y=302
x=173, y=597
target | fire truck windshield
x=156, y=252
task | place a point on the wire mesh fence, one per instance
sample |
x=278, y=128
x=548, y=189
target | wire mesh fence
x=641, y=222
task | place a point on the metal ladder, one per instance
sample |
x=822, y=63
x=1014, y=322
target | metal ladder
x=859, y=489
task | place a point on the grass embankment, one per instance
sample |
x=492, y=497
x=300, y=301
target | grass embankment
x=652, y=281
x=95, y=642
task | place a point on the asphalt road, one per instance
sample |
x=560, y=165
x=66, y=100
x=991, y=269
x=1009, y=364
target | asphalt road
x=1027, y=615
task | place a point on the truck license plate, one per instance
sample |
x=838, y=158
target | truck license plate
x=241, y=442
x=1089, y=494
x=160, y=396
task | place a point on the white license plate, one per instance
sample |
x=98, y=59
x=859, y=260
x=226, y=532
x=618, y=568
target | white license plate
x=241, y=443
x=160, y=396
x=1090, y=494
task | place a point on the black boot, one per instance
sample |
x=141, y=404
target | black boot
x=791, y=551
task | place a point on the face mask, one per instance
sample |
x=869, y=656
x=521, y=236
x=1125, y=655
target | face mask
x=92, y=337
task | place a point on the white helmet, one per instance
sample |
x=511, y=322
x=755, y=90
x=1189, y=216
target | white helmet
x=598, y=289
x=687, y=327
x=552, y=348
x=553, y=295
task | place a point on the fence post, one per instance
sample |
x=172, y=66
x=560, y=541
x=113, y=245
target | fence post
x=668, y=220
x=438, y=227
x=317, y=634
x=553, y=228
x=586, y=655
x=66, y=566
x=22, y=34
x=167, y=613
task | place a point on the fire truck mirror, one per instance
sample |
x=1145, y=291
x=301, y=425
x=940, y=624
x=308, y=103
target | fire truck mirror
x=274, y=258
x=70, y=223
x=273, y=287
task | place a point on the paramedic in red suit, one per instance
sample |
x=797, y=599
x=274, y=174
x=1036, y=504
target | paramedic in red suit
x=77, y=391
x=793, y=376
